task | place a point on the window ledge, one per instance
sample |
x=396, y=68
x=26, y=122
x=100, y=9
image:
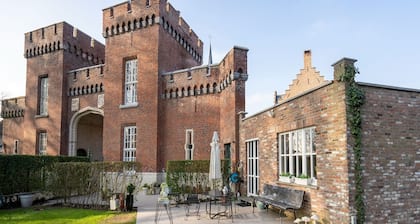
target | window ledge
x=41, y=116
x=295, y=184
x=131, y=105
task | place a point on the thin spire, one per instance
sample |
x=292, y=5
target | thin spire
x=210, y=56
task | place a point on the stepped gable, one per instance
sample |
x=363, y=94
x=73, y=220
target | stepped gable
x=307, y=79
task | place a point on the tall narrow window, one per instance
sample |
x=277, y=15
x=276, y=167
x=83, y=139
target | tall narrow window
x=147, y=2
x=16, y=147
x=43, y=96
x=42, y=143
x=253, y=166
x=130, y=82
x=189, y=145
x=129, y=150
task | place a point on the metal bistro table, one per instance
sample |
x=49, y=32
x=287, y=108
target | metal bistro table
x=217, y=198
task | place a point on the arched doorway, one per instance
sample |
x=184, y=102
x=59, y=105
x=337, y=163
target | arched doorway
x=85, y=138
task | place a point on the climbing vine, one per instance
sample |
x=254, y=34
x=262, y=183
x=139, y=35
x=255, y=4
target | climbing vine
x=355, y=100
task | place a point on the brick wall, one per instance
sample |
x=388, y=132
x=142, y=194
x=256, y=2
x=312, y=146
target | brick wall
x=324, y=109
x=52, y=51
x=12, y=112
x=391, y=148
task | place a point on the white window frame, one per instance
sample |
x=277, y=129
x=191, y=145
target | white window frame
x=129, y=144
x=130, y=85
x=42, y=143
x=297, y=153
x=43, y=95
x=253, y=169
x=189, y=140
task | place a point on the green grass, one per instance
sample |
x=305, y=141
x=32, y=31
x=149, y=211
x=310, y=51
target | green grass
x=64, y=215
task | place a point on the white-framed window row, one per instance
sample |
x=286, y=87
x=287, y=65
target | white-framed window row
x=297, y=157
x=189, y=144
x=129, y=148
x=130, y=84
x=42, y=143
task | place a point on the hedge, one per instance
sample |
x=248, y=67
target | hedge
x=26, y=173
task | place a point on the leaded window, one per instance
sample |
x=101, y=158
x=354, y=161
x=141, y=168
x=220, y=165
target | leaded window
x=130, y=82
x=129, y=150
x=297, y=153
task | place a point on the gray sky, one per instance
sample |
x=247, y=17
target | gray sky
x=384, y=36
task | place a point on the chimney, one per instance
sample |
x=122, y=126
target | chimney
x=339, y=67
x=307, y=60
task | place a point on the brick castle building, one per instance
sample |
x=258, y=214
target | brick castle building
x=146, y=96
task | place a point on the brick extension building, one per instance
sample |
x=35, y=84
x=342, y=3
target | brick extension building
x=144, y=96
x=152, y=101
x=307, y=133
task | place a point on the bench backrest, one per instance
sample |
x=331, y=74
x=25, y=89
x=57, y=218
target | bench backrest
x=287, y=195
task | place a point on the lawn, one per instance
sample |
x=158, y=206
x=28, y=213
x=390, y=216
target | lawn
x=46, y=215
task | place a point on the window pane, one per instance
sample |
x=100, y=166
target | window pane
x=130, y=81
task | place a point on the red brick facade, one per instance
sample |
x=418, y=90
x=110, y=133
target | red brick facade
x=176, y=94
x=86, y=111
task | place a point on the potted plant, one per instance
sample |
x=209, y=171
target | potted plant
x=285, y=177
x=156, y=188
x=145, y=188
x=303, y=180
x=130, y=197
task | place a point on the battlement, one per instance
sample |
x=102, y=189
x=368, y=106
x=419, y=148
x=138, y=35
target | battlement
x=206, y=79
x=63, y=36
x=87, y=80
x=13, y=107
x=142, y=14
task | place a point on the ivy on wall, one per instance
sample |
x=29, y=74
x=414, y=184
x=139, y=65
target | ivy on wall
x=355, y=99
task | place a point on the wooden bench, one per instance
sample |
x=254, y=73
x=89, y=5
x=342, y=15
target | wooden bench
x=281, y=197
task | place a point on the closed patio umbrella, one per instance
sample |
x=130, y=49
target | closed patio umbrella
x=215, y=172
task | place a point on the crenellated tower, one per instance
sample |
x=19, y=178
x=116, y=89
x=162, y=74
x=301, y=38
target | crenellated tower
x=51, y=52
x=143, y=40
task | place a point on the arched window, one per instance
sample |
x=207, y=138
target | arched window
x=214, y=87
